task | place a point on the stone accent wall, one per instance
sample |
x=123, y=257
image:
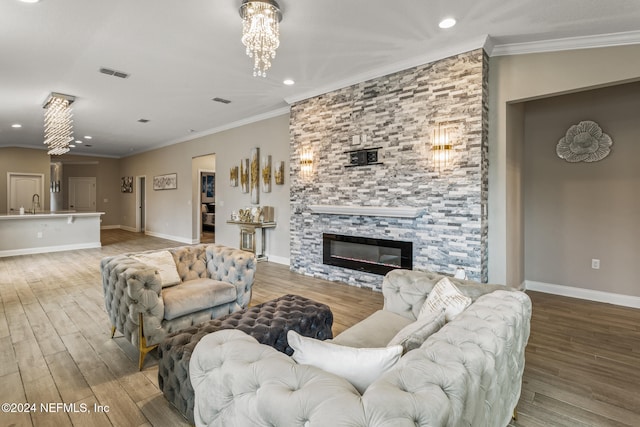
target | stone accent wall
x=397, y=112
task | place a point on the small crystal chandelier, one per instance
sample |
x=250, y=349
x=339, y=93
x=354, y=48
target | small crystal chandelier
x=58, y=123
x=261, y=32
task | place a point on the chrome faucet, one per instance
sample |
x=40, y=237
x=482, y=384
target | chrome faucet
x=35, y=203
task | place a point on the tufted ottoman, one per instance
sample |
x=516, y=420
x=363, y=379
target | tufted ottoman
x=268, y=323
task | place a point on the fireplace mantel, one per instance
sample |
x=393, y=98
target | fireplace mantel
x=388, y=211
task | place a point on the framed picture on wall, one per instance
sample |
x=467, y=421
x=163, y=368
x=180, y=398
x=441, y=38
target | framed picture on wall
x=165, y=182
x=208, y=187
x=126, y=184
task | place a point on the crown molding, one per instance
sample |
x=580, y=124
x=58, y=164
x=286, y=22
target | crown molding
x=444, y=52
x=257, y=118
x=569, y=43
x=55, y=158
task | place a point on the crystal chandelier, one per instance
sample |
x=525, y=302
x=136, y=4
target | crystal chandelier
x=261, y=32
x=58, y=123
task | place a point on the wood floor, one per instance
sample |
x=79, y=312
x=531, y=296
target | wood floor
x=55, y=346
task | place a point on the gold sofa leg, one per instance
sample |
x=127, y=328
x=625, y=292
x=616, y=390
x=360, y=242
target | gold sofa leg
x=113, y=331
x=142, y=343
x=515, y=414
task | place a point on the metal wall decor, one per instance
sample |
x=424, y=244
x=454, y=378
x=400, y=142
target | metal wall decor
x=279, y=173
x=584, y=142
x=266, y=174
x=233, y=176
x=254, y=182
x=244, y=175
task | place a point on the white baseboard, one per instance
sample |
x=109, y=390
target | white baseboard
x=170, y=237
x=154, y=234
x=279, y=260
x=109, y=227
x=46, y=249
x=588, y=294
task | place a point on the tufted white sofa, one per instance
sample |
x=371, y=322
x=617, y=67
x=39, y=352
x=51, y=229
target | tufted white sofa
x=214, y=280
x=469, y=373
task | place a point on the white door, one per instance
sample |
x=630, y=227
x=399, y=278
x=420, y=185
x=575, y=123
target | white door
x=23, y=188
x=82, y=194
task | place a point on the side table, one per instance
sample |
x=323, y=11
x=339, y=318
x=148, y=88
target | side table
x=252, y=241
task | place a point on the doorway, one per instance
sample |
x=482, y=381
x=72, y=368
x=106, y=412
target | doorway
x=208, y=207
x=141, y=201
x=203, y=197
x=22, y=191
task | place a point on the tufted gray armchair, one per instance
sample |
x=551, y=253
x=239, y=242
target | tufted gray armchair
x=214, y=280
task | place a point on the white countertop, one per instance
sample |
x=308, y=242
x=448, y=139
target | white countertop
x=49, y=215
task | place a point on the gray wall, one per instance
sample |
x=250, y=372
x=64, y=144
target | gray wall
x=172, y=213
x=24, y=160
x=38, y=161
x=575, y=212
x=518, y=78
x=106, y=172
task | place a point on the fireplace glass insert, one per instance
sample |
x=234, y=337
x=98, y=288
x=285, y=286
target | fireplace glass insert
x=377, y=256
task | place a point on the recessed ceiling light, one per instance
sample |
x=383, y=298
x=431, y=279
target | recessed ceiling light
x=79, y=141
x=289, y=82
x=87, y=137
x=72, y=146
x=16, y=125
x=447, y=23
x=29, y=1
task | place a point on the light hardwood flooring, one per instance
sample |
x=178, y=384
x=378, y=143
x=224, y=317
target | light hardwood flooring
x=55, y=346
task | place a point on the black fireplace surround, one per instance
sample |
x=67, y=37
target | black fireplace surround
x=377, y=256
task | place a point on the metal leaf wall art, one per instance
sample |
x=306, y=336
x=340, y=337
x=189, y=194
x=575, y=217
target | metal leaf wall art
x=584, y=142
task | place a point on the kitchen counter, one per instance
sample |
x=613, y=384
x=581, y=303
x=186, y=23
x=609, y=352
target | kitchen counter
x=48, y=214
x=48, y=232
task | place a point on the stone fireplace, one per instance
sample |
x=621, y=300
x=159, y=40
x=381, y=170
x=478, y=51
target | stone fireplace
x=401, y=196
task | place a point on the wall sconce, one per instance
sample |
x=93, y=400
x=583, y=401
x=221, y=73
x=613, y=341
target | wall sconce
x=441, y=148
x=306, y=163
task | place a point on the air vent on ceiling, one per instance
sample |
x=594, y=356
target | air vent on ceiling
x=143, y=120
x=110, y=72
x=222, y=100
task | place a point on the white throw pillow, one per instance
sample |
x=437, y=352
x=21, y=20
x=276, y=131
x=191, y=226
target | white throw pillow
x=445, y=296
x=414, y=334
x=164, y=263
x=359, y=366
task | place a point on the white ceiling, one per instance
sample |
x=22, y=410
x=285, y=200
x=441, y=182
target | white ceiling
x=181, y=54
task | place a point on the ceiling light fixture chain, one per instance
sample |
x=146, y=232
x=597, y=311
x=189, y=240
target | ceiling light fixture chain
x=261, y=32
x=58, y=123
